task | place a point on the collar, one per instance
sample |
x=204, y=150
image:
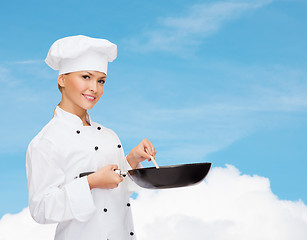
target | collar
x=70, y=117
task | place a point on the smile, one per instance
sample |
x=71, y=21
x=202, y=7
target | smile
x=89, y=97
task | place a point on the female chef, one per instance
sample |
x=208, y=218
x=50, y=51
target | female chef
x=95, y=206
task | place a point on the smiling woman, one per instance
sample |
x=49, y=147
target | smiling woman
x=81, y=90
x=94, y=206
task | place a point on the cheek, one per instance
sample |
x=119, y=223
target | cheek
x=78, y=86
x=100, y=91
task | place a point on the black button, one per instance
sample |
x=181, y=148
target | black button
x=131, y=233
x=128, y=204
x=105, y=210
x=78, y=131
x=119, y=146
x=99, y=128
x=96, y=148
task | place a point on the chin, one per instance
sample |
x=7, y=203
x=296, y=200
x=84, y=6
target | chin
x=88, y=107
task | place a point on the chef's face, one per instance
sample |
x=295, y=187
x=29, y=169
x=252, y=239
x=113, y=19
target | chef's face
x=82, y=89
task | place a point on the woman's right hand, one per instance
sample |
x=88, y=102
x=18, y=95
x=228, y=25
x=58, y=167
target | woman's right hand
x=105, y=178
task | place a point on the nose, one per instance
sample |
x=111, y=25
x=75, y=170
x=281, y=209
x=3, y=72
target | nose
x=93, y=86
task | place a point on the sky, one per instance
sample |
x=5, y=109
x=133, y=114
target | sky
x=205, y=81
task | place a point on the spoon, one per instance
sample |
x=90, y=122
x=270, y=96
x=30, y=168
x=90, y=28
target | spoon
x=152, y=158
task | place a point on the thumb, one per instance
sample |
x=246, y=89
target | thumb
x=144, y=154
x=113, y=166
x=147, y=154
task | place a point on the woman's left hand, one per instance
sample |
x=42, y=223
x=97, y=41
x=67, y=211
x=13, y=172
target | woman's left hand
x=139, y=154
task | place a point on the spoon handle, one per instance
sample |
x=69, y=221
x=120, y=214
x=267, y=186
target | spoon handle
x=152, y=159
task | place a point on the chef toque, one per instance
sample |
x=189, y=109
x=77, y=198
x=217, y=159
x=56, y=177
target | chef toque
x=81, y=53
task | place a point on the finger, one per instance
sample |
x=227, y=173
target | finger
x=120, y=179
x=148, y=150
x=147, y=155
x=155, y=152
x=152, y=149
x=113, y=166
x=147, y=145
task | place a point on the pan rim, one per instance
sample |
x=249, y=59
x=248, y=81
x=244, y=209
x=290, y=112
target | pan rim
x=175, y=166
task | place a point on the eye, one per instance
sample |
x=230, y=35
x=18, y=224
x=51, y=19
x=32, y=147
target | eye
x=101, y=81
x=86, y=76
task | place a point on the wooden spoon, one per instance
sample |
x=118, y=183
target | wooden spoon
x=152, y=158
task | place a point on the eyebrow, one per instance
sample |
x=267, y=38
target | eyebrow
x=90, y=73
x=99, y=77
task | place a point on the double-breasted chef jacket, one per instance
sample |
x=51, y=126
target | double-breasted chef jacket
x=62, y=150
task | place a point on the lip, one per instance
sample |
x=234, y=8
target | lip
x=88, y=97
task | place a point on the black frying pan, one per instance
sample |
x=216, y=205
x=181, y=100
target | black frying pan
x=166, y=176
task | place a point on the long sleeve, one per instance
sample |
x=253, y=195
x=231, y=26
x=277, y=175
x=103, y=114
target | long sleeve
x=50, y=199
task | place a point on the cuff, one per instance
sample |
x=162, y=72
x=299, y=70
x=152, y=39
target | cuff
x=80, y=199
x=129, y=167
x=131, y=185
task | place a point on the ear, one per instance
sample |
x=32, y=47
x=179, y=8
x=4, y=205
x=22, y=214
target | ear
x=61, y=80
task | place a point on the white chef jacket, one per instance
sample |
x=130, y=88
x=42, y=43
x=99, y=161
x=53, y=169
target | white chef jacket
x=62, y=150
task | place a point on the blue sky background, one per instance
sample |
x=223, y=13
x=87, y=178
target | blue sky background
x=220, y=81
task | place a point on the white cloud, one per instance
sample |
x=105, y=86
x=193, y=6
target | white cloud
x=22, y=226
x=228, y=205
x=201, y=20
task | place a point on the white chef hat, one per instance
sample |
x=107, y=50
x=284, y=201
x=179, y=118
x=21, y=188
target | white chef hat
x=79, y=53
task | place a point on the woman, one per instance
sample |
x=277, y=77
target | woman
x=95, y=206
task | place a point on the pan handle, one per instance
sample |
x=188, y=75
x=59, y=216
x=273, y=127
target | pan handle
x=119, y=172
x=84, y=174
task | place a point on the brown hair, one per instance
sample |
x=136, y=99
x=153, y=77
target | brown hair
x=59, y=87
x=54, y=109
